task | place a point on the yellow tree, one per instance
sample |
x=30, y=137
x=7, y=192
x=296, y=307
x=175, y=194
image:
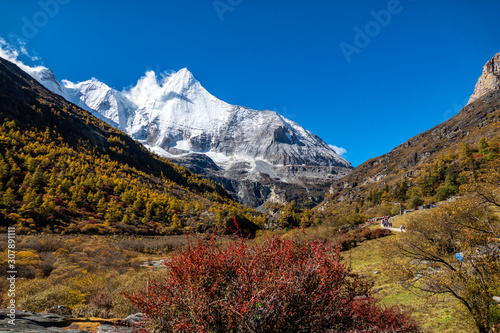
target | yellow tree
x=451, y=250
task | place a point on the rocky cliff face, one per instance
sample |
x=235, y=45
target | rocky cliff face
x=489, y=80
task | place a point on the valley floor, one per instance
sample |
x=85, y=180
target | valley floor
x=76, y=268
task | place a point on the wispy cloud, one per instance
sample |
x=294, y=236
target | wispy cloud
x=339, y=150
x=12, y=53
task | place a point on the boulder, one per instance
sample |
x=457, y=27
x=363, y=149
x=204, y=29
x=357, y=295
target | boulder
x=135, y=319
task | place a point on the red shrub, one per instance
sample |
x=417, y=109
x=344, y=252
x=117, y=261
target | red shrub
x=377, y=233
x=363, y=233
x=279, y=285
x=346, y=241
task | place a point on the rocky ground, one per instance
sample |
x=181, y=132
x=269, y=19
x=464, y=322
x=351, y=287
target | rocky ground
x=31, y=322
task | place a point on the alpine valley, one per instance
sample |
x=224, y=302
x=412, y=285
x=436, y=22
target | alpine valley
x=89, y=183
x=257, y=156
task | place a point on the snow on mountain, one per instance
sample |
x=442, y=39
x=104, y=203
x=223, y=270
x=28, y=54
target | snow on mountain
x=179, y=116
x=96, y=96
x=176, y=117
x=175, y=109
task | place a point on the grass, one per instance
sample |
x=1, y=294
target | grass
x=403, y=219
x=442, y=315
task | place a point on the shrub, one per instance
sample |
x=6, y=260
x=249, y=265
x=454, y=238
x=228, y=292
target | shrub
x=54, y=296
x=27, y=272
x=40, y=244
x=415, y=202
x=377, y=233
x=444, y=192
x=363, y=233
x=88, y=311
x=278, y=285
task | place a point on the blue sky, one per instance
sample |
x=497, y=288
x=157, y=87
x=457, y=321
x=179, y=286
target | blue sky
x=414, y=64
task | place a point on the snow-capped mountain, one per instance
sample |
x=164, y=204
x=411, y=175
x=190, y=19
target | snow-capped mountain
x=248, y=151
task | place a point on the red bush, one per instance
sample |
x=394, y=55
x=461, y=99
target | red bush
x=279, y=285
x=346, y=241
x=363, y=233
x=377, y=233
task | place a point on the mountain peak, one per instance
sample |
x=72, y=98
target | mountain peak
x=489, y=80
x=184, y=72
x=183, y=78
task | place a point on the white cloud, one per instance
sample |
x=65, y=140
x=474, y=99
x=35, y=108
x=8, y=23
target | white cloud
x=147, y=87
x=7, y=51
x=12, y=53
x=339, y=150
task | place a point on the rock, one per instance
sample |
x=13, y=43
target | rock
x=132, y=321
x=496, y=299
x=26, y=321
x=21, y=325
x=48, y=319
x=62, y=330
x=156, y=263
x=19, y=314
x=28, y=326
x=32, y=322
x=376, y=272
x=489, y=80
x=135, y=319
x=61, y=310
